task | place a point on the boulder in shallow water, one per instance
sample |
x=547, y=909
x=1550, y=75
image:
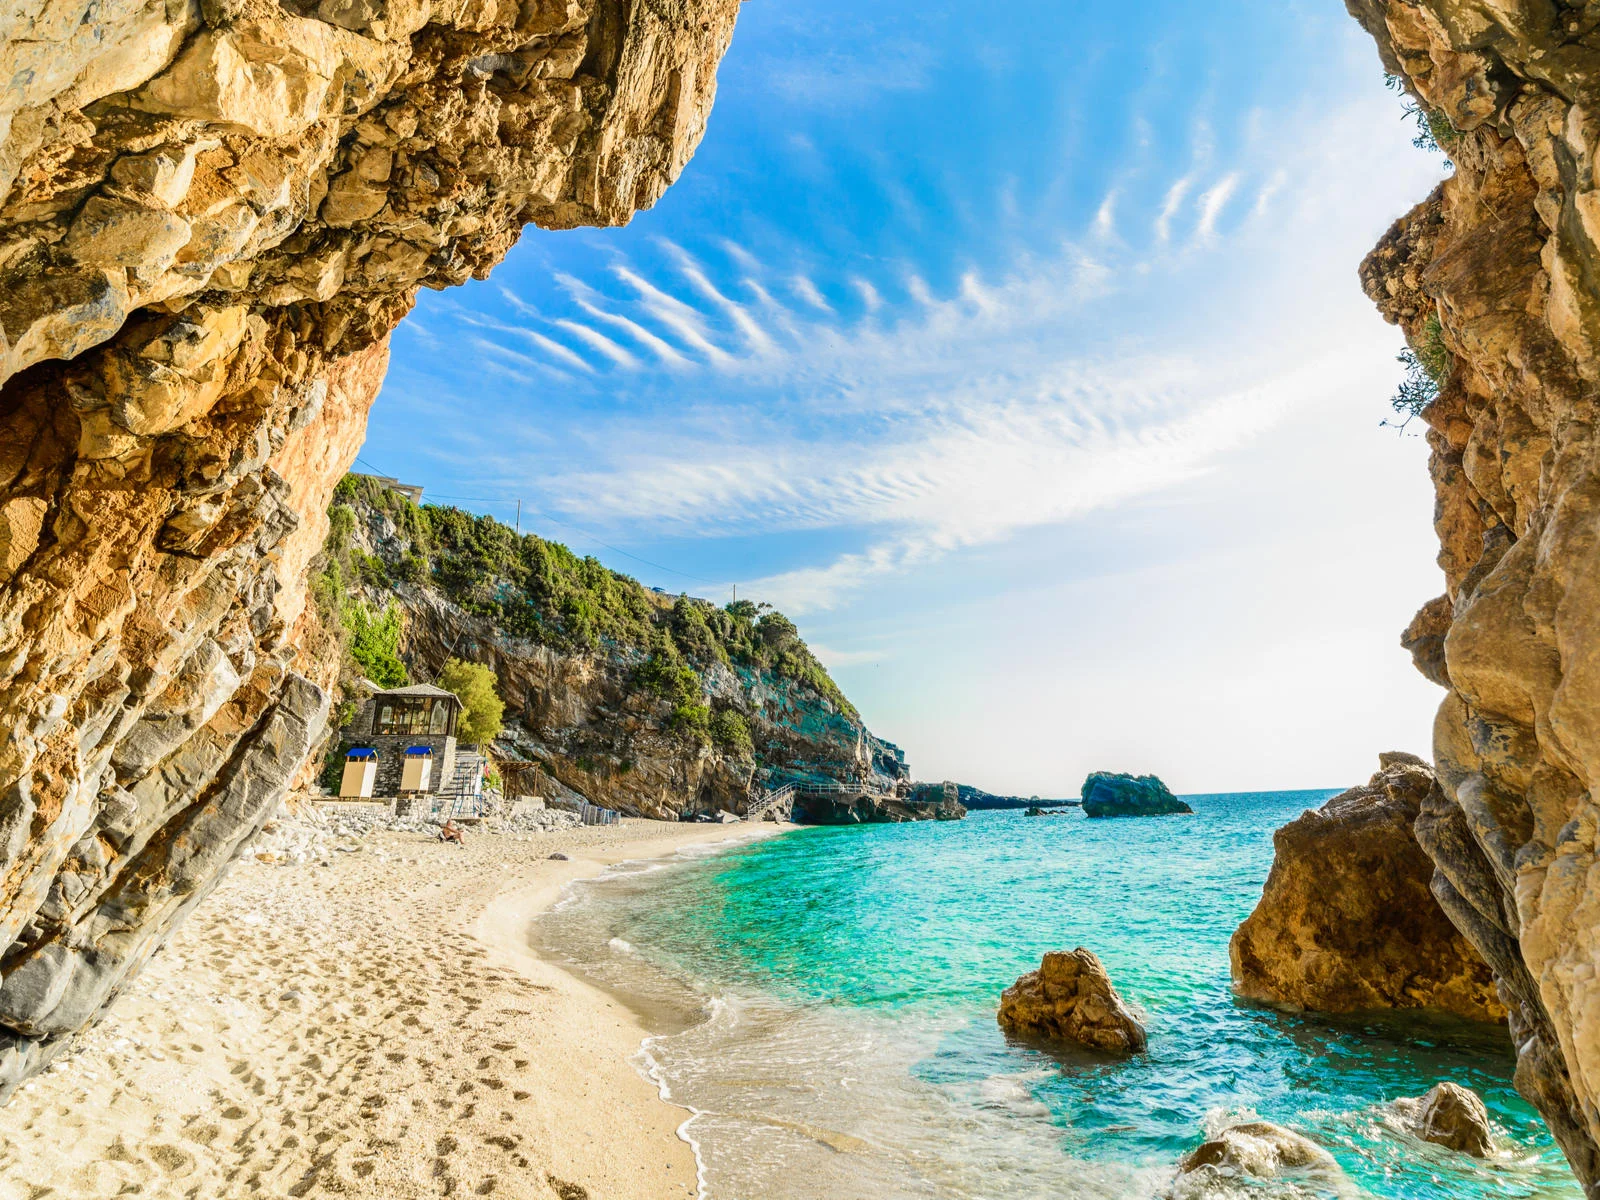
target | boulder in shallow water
x=1256, y=1148
x=1348, y=921
x=1110, y=795
x=1070, y=998
x=1450, y=1115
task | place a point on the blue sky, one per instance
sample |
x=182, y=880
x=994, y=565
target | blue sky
x=1023, y=362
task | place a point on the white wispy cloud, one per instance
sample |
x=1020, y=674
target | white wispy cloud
x=600, y=342
x=869, y=294
x=687, y=323
x=934, y=418
x=1105, y=217
x=807, y=291
x=1171, y=205
x=1212, y=202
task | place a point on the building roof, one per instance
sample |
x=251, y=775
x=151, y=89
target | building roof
x=420, y=689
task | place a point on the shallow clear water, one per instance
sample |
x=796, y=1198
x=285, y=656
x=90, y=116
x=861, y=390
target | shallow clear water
x=826, y=1004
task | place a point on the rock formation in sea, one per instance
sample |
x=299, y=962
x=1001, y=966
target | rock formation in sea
x=1258, y=1149
x=1071, y=998
x=211, y=216
x=1449, y=1115
x=1495, y=279
x=1346, y=920
x=1111, y=795
x=977, y=799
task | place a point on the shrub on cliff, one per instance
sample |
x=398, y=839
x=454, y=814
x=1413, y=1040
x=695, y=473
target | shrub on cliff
x=731, y=732
x=482, y=709
x=374, y=641
x=666, y=675
x=693, y=721
x=1428, y=364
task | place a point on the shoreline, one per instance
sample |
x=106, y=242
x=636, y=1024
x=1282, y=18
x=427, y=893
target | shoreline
x=380, y=1026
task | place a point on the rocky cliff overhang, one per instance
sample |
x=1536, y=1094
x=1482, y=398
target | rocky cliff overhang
x=212, y=213
x=1502, y=266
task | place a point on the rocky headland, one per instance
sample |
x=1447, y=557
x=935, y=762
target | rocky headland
x=211, y=217
x=1106, y=794
x=1347, y=920
x=1495, y=279
x=651, y=704
x=978, y=800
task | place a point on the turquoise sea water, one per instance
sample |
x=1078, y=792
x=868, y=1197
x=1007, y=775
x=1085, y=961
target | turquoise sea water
x=826, y=1004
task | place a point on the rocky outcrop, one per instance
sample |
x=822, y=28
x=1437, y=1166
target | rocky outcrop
x=1500, y=270
x=1110, y=795
x=584, y=713
x=1070, y=998
x=1260, y=1150
x=1346, y=920
x=864, y=807
x=211, y=216
x=976, y=799
x=1451, y=1116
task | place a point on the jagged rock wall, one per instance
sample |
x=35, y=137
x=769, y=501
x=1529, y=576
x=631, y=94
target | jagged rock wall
x=1346, y=920
x=212, y=213
x=1506, y=255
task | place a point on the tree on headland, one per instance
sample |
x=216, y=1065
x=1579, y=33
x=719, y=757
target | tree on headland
x=481, y=706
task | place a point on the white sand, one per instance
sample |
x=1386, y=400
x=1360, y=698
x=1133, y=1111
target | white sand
x=378, y=1028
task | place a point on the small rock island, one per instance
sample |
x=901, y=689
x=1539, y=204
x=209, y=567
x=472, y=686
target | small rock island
x=1106, y=794
x=1070, y=998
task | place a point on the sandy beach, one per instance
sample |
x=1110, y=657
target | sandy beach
x=374, y=1028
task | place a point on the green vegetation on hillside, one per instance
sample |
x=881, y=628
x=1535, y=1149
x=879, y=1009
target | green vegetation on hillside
x=481, y=706
x=371, y=639
x=544, y=592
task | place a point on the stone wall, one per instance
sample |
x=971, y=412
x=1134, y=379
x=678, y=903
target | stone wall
x=1505, y=256
x=212, y=214
x=391, y=748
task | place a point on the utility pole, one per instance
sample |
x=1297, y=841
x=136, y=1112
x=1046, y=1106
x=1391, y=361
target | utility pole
x=736, y=593
x=519, y=516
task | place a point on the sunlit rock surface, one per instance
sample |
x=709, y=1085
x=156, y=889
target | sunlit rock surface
x=211, y=216
x=1071, y=998
x=1452, y=1116
x=1346, y=920
x=1505, y=255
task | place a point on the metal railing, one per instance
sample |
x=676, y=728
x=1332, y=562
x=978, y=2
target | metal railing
x=770, y=800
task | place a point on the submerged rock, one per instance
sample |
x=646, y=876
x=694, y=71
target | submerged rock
x=1110, y=795
x=1070, y=998
x=1347, y=921
x=1258, y=1149
x=1449, y=1115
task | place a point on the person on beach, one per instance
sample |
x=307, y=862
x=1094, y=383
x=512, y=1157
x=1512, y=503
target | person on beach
x=451, y=832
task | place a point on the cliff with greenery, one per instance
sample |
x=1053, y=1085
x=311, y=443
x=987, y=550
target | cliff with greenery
x=638, y=700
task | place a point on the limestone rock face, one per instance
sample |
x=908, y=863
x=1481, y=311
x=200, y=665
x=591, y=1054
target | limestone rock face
x=1346, y=920
x=1450, y=1115
x=1505, y=256
x=1109, y=795
x=1070, y=998
x=211, y=216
